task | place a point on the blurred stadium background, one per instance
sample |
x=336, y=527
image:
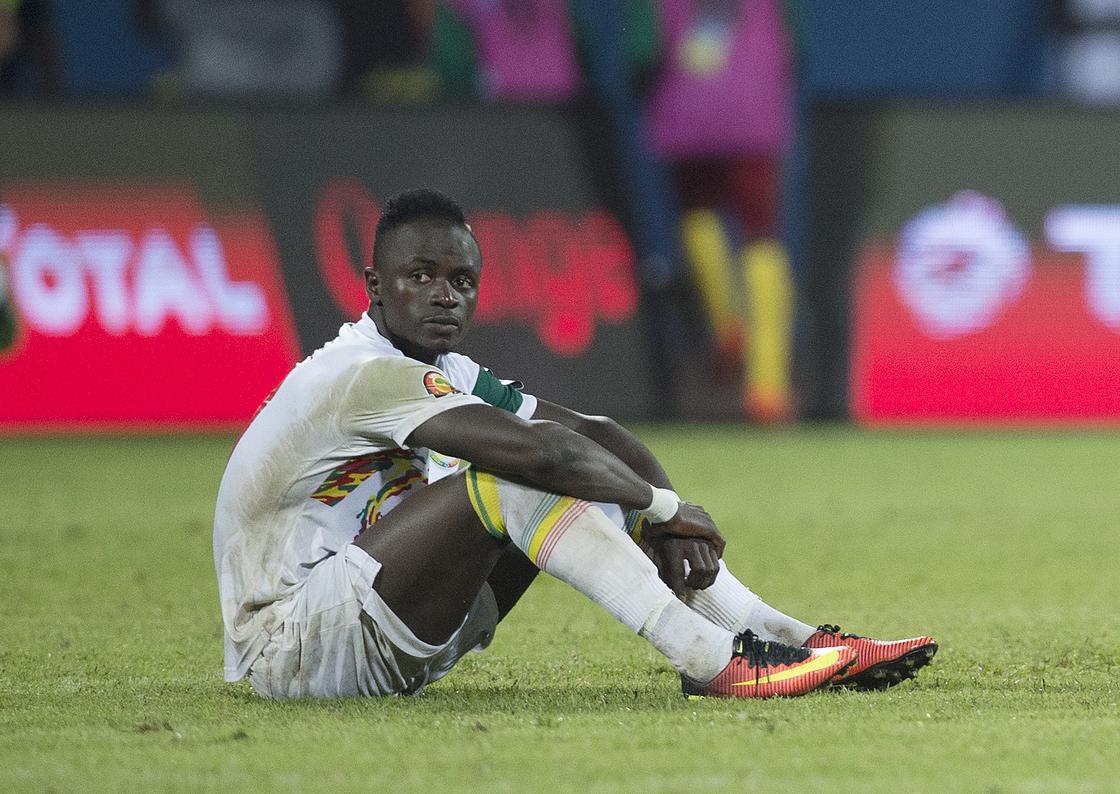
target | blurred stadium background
x=862, y=214
x=889, y=213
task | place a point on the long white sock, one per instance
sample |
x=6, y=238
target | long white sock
x=731, y=604
x=575, y=542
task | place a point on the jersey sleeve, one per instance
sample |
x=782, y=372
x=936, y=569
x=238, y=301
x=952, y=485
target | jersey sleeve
x=506, y=395
x=391, y=397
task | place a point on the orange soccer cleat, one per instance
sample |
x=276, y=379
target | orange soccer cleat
x=761, y=669
x=881, y=663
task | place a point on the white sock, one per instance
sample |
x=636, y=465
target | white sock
x=696, y=647
x=731, y=604
x=574, y=541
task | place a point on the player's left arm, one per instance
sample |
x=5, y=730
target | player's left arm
x=670, y=552
x=610, y=435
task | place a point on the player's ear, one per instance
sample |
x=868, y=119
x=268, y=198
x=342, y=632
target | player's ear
x=373, y=287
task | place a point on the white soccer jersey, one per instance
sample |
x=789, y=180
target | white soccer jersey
x=321, y=461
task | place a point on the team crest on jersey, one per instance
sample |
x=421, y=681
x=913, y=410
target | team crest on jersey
x=438, y=385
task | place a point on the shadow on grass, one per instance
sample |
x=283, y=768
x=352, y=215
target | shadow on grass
x=469, y=699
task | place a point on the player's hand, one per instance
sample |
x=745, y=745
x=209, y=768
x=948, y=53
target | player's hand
x=691, y=521
x=689, y=535
x=670, y=555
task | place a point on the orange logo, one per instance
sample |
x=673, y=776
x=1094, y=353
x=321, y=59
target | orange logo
x=438, y=385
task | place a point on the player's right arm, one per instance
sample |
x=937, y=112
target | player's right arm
x=414, y=405
x=667, y=549
x=554, y=458
x=545, y=454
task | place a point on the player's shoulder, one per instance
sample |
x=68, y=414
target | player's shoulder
x=461, y=370
x=399, y=377
x=353, y=347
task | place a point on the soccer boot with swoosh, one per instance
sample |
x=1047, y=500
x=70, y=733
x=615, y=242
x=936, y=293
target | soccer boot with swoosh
x=882, y=663
x=761, y=669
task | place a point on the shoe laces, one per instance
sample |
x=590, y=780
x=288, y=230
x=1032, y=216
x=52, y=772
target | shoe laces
x=829, y=628
x=762, y=653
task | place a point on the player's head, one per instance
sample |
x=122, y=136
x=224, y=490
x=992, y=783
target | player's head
x=423, y=285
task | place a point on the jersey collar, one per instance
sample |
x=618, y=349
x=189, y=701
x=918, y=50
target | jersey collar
x=368, y=328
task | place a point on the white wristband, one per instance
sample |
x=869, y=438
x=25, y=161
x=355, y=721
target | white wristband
x=664, y=505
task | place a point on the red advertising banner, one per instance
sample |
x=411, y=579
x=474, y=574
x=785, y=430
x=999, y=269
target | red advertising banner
x=138, y=307
x=963, y=320
x=561, y=274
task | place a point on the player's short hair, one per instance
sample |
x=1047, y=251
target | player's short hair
x=409, y=205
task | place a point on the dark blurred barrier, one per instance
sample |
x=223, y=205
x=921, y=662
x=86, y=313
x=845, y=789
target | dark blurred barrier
x=168, y=267
x=973, y=253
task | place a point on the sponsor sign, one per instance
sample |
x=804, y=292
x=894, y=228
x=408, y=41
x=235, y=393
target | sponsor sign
x=973, y=251
x=559, y=304
x=138, y=307
x=963, y=319
x=558, y=274
x=168, y=268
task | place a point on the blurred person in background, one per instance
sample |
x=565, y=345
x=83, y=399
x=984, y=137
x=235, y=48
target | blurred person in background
x=251, y=48
x=721, y=112
x=507, y=50
x=1088, y=49
x=28, y=62
x=385, y=49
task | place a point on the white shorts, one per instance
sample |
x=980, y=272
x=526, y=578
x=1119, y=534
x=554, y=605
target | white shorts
x=342, y=640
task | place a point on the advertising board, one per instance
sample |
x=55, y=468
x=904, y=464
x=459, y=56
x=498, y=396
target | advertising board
x=984, y=245
x=144, y=278
x=559, y=302
x=167, y=268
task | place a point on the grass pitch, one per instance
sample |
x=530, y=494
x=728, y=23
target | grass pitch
x=1004, y=546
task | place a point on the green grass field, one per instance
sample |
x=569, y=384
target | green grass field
x=1004, y=546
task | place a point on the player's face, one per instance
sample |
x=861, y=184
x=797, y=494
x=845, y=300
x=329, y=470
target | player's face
x=424, y=291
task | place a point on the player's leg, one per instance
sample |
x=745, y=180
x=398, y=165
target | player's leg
x=576, y=542
x=440, y=559
x=510, y=578
x=439, y=546
x=728, y=602
x=442, y=542
x=731, y=604
x=435, y=557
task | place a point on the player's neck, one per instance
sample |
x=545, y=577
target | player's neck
x=411, y=350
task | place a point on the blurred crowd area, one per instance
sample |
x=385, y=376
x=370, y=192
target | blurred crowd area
x=706, y=101
x=541, y=50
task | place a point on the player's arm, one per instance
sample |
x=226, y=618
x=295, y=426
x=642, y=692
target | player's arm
x=543, y=453
x=669, y=552
x=554, y=458
x=610, y=435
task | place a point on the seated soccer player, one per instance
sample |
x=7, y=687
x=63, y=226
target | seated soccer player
x=357, y=556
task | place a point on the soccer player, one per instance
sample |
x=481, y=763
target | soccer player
x=357, y=555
